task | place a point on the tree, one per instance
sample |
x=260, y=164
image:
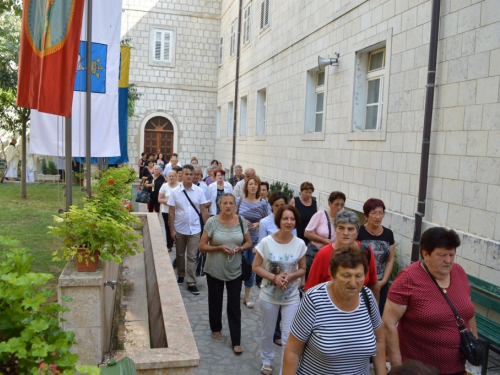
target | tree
x=12, y=118
x=10, y=6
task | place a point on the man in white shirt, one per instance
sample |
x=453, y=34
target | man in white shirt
x=238, y=189
x=174, y=162
x=185, y=225
x=198, y=174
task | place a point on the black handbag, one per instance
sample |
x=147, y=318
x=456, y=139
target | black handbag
x=246, y=267
x=471, y=348
x=143, y=196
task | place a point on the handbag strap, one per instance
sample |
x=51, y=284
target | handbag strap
x=329, y=225
x=187, y=196
x=242, y=231
x=238, y=208
x=455, y=313
x=367, y=300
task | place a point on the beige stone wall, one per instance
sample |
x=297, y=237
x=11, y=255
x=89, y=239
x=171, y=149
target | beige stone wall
x=464, y=173
x=185, y=91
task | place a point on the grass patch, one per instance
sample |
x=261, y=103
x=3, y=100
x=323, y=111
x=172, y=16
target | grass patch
x=26, y=220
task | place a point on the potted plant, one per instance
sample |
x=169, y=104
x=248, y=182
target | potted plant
x=96, y=231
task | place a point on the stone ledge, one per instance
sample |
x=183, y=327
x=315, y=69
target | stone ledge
x=181, y=355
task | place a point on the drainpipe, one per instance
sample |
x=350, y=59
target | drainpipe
x=426, y=139
x=236, y=81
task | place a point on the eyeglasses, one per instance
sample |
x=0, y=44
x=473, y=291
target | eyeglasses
x=377, y=214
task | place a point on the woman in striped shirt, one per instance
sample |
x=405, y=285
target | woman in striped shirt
x=338, y=327
x=253, y=209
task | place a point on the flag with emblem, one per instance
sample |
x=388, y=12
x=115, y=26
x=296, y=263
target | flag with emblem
x=47, y=131
x=50, y=36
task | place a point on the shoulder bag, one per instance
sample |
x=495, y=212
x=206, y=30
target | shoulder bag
x=246, y=267
x=312, y=250
x=472, y=348
x=143, y=196
x=195, y=209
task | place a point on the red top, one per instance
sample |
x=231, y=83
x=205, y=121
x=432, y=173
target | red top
x=428, y=331
x=320, y=268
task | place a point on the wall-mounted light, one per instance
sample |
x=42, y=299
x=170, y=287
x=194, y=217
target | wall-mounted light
x=323, y=62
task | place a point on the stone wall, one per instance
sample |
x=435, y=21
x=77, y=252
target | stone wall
x=464, y=170
x=184, y=91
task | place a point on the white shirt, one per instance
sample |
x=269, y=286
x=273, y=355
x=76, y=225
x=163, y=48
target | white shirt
x=167, y=190
x=212, y=189
x=168, y=168
x=187, y=221
x=203, y=187
x=238, y=189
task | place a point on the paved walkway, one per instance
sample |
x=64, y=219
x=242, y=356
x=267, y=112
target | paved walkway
x=217, y=357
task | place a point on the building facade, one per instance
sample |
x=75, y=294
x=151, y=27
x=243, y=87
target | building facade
x=174, y=67
x=357, y=127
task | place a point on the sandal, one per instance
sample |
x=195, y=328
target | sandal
x=249, y=304
x=237, y=349
x=278, y=342
x=266, y=370
x=216, y=336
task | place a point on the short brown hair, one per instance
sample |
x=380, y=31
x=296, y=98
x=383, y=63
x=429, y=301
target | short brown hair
x=348, y=257
x=436, y=237
x=245, y=187
x=221, y=171
x=307, y=186
x=279, y=215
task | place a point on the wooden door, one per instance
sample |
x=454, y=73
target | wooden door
x=159, y=136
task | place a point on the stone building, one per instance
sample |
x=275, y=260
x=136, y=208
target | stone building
x=357, y=127
x=174, y=67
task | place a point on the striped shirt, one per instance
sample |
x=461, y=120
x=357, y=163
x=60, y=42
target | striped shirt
x=252, y=212
x=337, y=342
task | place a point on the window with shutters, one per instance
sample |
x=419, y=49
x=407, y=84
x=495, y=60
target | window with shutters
x=221, y=50
x=232, y=46
x=163, y=46
x=247, y=24
x=265, y=13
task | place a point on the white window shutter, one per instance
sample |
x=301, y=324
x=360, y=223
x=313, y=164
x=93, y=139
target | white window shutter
x=158, y=45
x=166, y=46
x=262, y=13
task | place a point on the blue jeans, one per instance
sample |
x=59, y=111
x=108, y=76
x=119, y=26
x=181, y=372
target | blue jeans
x=249, y=255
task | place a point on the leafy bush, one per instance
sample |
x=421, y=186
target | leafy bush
x=275, y=186
x=45, y=169
x=52, y=168
x=30, y=335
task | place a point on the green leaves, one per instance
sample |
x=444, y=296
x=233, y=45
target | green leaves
x=30, y=332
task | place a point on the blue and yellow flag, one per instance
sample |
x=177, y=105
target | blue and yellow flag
x=123, y=105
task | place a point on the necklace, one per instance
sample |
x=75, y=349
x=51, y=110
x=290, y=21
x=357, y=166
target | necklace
x=378, y=233
x=224, y=223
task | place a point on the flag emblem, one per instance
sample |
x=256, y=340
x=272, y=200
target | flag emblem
x=47, y=24
x=97, y=68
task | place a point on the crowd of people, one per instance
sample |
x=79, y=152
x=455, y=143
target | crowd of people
x=323, y=275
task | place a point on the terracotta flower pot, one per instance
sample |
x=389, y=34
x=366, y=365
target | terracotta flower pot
x=87, y=264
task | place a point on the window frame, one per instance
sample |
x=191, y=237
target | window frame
x=358, y=99
x=372, y=75
x=310, y=132
x=218, y=122
x=171, y=50
x=221, y=50
x=243, y=116
x=261, y=113
x=247, y=23
x=230, y=109
x=263, y=25
x=232, y=39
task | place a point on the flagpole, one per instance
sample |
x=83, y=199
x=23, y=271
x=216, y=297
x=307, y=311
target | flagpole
x=69, y=161
x=88, y=100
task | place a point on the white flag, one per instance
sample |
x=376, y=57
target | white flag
x=47, y=131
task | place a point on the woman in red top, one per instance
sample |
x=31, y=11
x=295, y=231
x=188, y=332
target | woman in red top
x=346, y=230
x=427, y=329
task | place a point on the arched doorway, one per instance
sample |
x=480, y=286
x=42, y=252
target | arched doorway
x=159, y=136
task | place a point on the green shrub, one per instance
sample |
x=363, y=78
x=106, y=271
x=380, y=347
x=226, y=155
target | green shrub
x=45, y=169
x=52, y=168
x=275, y=186
x=29, y=327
